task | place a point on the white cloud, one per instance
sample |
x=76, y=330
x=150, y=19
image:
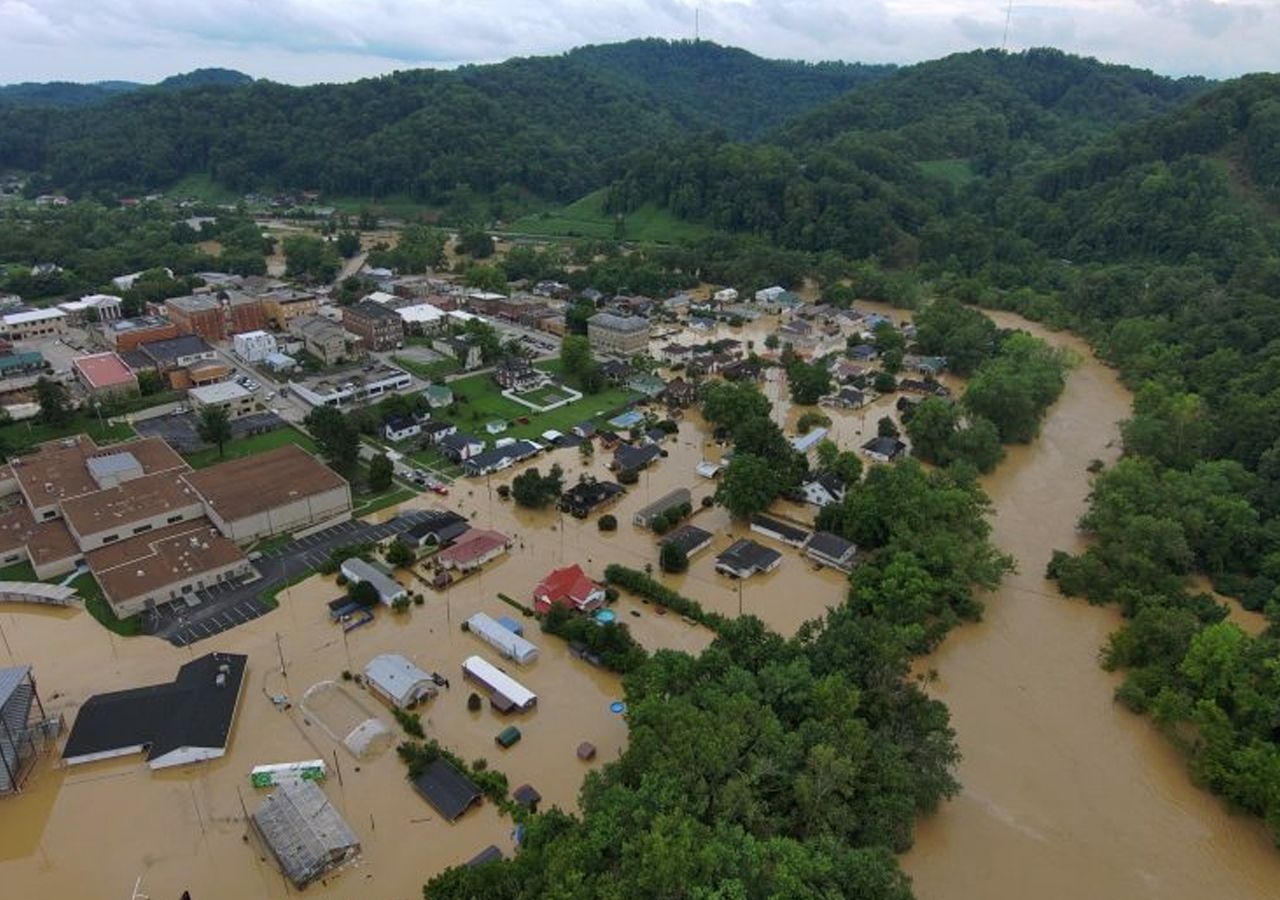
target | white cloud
x=318, y=40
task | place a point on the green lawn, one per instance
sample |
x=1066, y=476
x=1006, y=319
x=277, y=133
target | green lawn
x=258, y=443
x=956, y=172
x=100, y=609
x=19, y=571
x=434, y=371
x=202, y=187
x=434, y=461
x=478, y=399
x=20, y=436
x=586, y=217
x=364, y=505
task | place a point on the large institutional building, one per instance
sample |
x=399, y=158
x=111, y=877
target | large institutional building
x=150, y=528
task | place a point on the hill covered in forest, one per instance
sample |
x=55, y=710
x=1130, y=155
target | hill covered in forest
x=552, y=126
x=68, y=94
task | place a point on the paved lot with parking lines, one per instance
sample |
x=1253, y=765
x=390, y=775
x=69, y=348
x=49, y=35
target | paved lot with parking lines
x=227, y=605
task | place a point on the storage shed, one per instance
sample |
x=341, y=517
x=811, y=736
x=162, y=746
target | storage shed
x=511, y=645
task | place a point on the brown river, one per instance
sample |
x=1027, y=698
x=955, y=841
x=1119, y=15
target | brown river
x=1065, y=794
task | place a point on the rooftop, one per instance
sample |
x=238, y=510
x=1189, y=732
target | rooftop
x=747, y=554
x=306, y=834
x=133, y=501
x=144, y=564
x=449, y=791
x=193, y=710
x=688, y=538
x=33, y=315
x=612, y=322
x=170, y=350
x=472, y=545
x=240, y=487
x=220, y=392
x=138, y=323
x=103, y=370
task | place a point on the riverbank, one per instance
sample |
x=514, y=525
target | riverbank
x=1065, y=793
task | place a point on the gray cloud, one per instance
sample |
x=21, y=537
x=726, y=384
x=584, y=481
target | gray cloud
x=315, y=40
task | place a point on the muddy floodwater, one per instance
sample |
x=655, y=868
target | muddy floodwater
x=1066, y=795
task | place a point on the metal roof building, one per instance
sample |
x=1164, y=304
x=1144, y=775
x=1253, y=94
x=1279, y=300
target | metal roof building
x=511, y=645
x=398, y=680
x=307, y=836
x=388, y=588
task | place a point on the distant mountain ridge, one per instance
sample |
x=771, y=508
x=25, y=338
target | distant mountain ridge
x=552, y=126
x=68, y=94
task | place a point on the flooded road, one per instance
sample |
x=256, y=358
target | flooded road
x=1065, y=793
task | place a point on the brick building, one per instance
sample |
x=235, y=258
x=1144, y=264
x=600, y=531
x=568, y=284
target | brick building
x=380, y=327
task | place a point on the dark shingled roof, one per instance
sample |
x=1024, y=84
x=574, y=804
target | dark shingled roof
x=788, y=532
x=487, y=855
x=688, y=538
x=191, y=711
x=449, y=791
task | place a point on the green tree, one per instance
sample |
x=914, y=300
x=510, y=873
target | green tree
x=380, y=473
x=364, y=593
x=55, y=403
x=400, y=555
x=348, y=244
x=932, y=429
x=748, y=486
x=575, y=354
x=214, y=427
x=534, y=490
x=339, y=442
x=673, y=559
x=886, y=427
x=808, y=382
x=475, y=243
x=310, y=258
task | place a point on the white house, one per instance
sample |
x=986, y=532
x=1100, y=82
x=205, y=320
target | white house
x=253, y=346
x=400, y=428
x=823, y=490
x=397, y=680
x=726, y=295
x=769, y=294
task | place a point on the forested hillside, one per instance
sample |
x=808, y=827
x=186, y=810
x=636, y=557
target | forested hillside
x=858, y=175
x=553, y=126
x=59, y=94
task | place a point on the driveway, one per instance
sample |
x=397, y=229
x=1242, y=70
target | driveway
x=227, y=605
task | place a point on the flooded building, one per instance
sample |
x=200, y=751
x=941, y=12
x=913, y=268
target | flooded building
x=616, y=335
x=304, y=832
x=745, y=558
x=504, y=639
x=449, y=792
x=186, y=720
x=568, y=587
x=24, y=728
x=504, y=691
x=357, y=570
x=473, y=549
x=645, y=515
x=398, y=681
x=827, y=549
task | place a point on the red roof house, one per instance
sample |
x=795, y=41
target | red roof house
x=569, y=587
x=473, y=549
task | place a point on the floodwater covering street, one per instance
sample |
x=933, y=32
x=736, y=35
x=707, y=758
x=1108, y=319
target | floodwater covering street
x=1065, y=794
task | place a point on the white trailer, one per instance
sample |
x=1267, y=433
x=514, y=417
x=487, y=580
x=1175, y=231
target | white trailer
x=512, y=646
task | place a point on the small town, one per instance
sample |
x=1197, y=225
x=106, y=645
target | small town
x=757, y=449
x=334, y=507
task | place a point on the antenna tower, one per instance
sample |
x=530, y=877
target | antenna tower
x=1008, y=14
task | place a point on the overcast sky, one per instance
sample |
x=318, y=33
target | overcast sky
x=304, y=41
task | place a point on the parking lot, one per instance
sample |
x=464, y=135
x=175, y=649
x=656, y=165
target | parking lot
x=227, y=605
x=180, y=430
